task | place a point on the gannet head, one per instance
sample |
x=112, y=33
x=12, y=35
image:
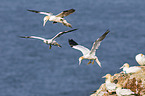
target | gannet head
x=107, y=76
x=125, y=65
x=46, y=18
x=80, y=59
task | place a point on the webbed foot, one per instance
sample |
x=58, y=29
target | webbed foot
x=93, y=62
x=89, y=62
x=50, y=46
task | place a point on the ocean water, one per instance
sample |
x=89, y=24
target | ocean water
x=29, y=68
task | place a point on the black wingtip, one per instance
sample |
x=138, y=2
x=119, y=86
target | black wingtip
x=21, y=36
x=29, y=10
x=107, y=31
x=72, y=30
x=72, y=42
x=33, y=11
x=24, y=36
x=103, y=36
x=70, y=10
x=73, y=10
x=75, y=29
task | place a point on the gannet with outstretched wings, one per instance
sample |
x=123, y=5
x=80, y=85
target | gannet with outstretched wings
x=50, y=41
x=88, y=54
x=56, y=18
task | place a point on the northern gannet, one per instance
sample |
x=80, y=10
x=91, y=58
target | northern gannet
x=123, y=92
x=50, y=41
x=111, y=87
x=56, y=18
x=127, y=69
x=88, y=54
x=140, y=59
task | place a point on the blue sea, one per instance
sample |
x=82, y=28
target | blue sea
x=29, y=68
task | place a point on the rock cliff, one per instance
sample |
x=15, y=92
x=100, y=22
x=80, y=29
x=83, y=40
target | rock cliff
x=135, y=82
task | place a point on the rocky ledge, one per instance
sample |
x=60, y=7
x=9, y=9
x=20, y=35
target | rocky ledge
x=135, y=82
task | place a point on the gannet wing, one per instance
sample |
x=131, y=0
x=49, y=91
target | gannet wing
x=61, y=33
x=35, y=37
x=96, y=44
x=45, y=13
x=81, y=48
x=65, y=13
x=126, y=92
x=66, y=23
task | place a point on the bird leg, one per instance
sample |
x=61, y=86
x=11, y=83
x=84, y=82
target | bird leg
x=93, y=62
x=50, y=46
x=89, y=62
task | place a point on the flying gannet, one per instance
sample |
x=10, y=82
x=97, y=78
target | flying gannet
x=111, y=87
x=56, y=18
x=140, y=59
x=50, y=41
x=88, y=54
x=127, y=69
x=123, y=92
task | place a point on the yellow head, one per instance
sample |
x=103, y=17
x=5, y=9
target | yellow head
x=125, y=65
x=46, y=18
x=107, y=76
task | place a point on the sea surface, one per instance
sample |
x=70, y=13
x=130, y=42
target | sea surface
x=29, y=68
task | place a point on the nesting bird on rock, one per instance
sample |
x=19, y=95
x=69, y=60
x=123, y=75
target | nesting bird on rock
x=127, y=69
x=56, y=18
x=140, y=58
x=111, y=87
x=88, y=54
x=50, y=41
x=123, y=92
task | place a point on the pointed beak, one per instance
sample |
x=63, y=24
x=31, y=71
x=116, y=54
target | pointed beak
x=45, y=20
x=104, y=76
x=44, y=23
x=99, y=64
x=121, y=67
x=80, y=60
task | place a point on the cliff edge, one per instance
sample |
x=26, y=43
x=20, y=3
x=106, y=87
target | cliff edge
x=133, y=81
